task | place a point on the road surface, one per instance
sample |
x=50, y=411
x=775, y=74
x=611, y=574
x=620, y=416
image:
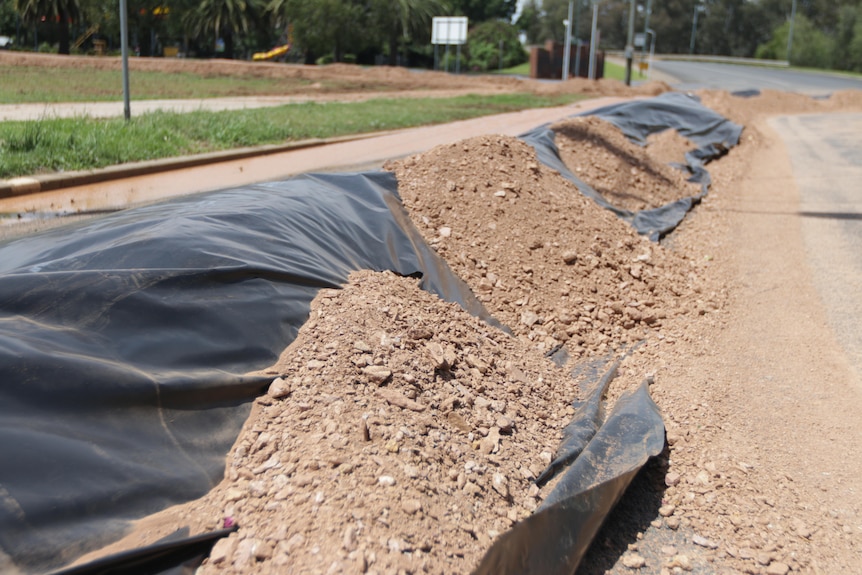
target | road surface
x=733, y=77
x=826, y=154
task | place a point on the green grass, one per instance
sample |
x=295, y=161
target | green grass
x=612, y=70
x=63, y=144
x=615, y=71
x=519, y=70
x=618, y=72
x=29, y=84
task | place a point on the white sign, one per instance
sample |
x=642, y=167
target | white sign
x=449, y=30
x=639, y=40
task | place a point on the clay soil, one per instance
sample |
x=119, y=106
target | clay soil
x=401, y=435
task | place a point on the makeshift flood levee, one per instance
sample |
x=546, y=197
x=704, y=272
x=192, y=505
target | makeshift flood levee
x=123, y=343
x=638, y=119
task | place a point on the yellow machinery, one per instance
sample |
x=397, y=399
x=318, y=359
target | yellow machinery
x=274, y=53
x=83, y=38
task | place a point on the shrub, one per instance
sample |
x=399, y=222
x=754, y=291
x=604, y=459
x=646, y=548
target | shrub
x=483, y=46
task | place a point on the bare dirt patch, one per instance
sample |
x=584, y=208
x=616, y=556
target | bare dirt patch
x=337, y=78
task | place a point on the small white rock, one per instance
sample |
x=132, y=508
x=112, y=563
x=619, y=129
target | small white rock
x=633, y=561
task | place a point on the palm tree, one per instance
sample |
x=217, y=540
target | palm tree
x=224, y=18
x=405, y=19
x=62, y=11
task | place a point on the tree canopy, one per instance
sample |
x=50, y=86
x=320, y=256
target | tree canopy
x=61, y=12
x=826, y=32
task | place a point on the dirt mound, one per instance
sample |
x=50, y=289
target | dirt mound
x=601, y=87
x=745, y=110
x=547, y=261
x=402, y=436
x=625, y=174
x=668, y=147
x=846, y=100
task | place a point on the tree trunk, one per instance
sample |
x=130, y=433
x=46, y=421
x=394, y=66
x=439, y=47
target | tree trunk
x=228, y=44
x=65, y=43
x=393, y=48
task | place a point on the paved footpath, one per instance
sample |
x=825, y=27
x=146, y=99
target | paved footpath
x=115, y=109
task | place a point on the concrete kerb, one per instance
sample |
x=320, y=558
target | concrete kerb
x=27, y=185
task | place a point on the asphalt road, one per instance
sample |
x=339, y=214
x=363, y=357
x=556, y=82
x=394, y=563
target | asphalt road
x=733, y=77
x=826, y=154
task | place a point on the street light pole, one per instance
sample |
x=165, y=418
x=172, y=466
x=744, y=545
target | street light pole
x=646, y=27
x=567, y=48
x=629, y=48
x=593, y=37
x=790, y=35
x=698, y=8
x=651, y=34
x=124, y=50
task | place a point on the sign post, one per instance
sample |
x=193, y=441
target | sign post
x=449, y=31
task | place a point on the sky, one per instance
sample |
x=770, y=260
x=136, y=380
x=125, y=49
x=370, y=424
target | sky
x=518, y=11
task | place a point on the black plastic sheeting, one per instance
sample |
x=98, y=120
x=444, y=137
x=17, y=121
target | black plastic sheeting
x=637, y=119
x=176, y=554
x=555, y=538
x=124, y=343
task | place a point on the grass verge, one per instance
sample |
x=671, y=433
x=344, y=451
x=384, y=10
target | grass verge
x=34, y=84
x=612, y=70
x=519, y=70
x=618, y=71
x=64, y=144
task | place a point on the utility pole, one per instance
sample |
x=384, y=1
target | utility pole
x=698, y=8
x=124, y=50
x=567, y=47
x=594, y=39
x=646, y=27
x=578, y=20
x=790, y=36
x=630, y=49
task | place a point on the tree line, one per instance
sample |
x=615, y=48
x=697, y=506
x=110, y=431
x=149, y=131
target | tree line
x=364, y=31
x=826, y=33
